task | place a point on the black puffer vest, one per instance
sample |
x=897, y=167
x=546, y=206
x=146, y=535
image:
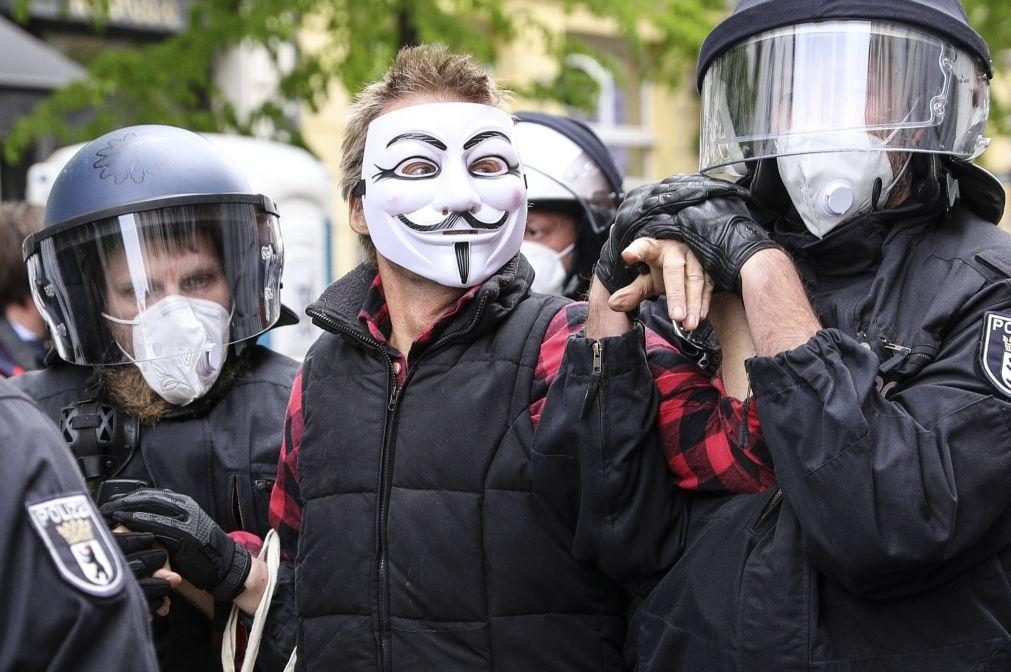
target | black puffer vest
x=425, y=543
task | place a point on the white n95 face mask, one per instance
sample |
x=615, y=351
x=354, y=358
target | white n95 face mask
x=549, y=273
x=828, y=188
x=179, y=346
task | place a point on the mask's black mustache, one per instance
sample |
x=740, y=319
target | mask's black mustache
x=452, y=219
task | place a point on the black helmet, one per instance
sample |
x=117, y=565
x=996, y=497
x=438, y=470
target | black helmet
x=569, y=169
x=791, y=77
x=946, y=18
x=143, y=213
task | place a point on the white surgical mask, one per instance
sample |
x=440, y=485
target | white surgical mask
x=549, y=273
x=444, y=192
x=827, y=188
x=179, y=345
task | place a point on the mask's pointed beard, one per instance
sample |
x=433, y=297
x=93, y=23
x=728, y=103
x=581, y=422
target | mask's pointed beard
x=463, y=260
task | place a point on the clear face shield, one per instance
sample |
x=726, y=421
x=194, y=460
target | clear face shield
x=841, y=86
x=557, y=169
x=175, y=285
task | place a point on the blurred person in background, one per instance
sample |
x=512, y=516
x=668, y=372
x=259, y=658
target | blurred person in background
x=24, y=339
x=157, y=268
x=573, y=187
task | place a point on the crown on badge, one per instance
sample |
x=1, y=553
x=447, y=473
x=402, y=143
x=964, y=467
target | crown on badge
x=76, y=531
x=1007, y=343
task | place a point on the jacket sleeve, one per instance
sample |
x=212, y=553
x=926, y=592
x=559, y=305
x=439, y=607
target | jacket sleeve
x=600, y=413
x=894, y=493
x=53, y=617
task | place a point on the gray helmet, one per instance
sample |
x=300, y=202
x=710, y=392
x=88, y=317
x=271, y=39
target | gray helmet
x=143, y=213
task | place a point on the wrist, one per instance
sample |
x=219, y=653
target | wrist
x=253, y=587
x=602, y=321
x=234, y=581
x=766, y=265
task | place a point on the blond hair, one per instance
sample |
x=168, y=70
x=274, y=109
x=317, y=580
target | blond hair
x=428, y=70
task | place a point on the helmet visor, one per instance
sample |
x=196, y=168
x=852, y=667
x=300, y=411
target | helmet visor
x=816, y=86
x=110, y=289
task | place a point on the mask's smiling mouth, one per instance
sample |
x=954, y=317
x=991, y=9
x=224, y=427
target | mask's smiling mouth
x=446, y=225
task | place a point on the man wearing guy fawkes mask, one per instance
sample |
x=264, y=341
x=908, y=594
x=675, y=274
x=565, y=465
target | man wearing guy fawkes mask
x=156, y=269
x=882, y=329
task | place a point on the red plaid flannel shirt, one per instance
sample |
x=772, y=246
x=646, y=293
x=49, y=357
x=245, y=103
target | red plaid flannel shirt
x=712, y=442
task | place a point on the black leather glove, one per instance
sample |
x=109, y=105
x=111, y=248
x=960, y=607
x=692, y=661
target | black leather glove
x=143, y=559
x=200, y=551
x=707, y=214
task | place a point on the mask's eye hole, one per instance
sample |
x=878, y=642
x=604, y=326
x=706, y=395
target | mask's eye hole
x=489, y=166
x=416, y=167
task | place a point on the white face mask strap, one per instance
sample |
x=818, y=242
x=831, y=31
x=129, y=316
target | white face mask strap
x=134, y=322
x=566, y=250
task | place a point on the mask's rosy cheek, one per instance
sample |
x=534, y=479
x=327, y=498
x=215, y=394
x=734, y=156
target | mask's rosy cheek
x=516, y=198
x=392, y=204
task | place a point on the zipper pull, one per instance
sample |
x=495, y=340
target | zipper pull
x=901, y=353
x=393, y=398
x=894, y=347
x=591, y=392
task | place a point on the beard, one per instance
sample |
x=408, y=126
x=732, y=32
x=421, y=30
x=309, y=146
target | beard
x=128, y=390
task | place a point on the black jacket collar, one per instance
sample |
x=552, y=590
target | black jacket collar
x=336, y=310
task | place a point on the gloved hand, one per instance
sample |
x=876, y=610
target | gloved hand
x=200, y=551
x=707, y=214
x=143, y=559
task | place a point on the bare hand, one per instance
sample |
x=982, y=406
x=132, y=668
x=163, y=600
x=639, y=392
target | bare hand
x=174, y=580
x=674, y=272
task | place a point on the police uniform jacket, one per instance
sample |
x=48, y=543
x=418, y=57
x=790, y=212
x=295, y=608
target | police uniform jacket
x=888, y=544
x=221, y=450
x=68, y=600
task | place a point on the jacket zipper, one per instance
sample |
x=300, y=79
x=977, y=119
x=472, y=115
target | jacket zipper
x=591, y=391
x=386, y=463
x=770, y=507
x=382, y=513
x=236, y=504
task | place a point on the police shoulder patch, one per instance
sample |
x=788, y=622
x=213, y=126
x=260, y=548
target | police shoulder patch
x=78, y=543
x=995, y=351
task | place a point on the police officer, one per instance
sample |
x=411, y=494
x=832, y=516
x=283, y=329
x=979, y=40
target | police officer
x=156, y=270
x=69, y=602
x=862, y=241
x=574, y=188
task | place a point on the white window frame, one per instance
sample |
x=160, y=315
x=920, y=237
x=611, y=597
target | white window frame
x=604, y=124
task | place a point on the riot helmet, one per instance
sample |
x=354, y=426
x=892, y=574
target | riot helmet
x=155, y=251
x=801, y=81
x=570, y=174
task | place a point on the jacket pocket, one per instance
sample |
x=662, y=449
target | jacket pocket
x=765, y=516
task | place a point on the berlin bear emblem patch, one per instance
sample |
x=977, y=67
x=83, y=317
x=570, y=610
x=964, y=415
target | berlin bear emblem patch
x=995, y=351
x=79, y=543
